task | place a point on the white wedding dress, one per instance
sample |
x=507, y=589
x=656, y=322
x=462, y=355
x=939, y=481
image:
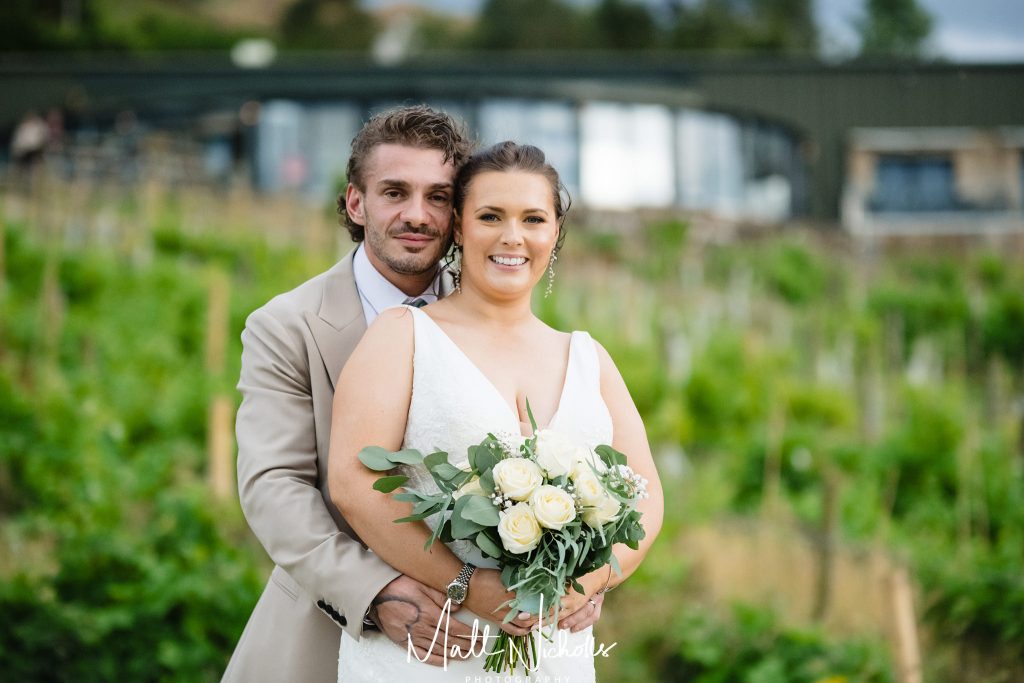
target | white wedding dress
x=454, y=406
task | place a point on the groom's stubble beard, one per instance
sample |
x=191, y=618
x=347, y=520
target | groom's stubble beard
x=399, y=261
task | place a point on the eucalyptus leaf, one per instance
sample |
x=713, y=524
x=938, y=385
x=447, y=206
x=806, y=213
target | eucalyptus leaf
x=479, y=509
x=435, y=459
x=489, y=547
x=464, y=528
x=486, y=460
x=614, y=562
x=445, y=471
x=376, y=458
x=408, y=456
x=389, y=484
x=487, y=482
x=610, y=456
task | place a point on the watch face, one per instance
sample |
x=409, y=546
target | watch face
x=457, y=592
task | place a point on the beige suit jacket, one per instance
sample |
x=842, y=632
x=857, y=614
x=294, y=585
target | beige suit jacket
x=293, y=349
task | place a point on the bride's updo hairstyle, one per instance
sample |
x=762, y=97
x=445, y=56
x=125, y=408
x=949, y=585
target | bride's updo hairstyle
x=506, y=157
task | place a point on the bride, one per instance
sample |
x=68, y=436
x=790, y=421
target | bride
x=442, y=377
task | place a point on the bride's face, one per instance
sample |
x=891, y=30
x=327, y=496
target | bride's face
x=508, y=230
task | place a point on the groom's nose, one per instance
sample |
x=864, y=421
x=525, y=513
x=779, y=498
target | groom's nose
x=415, y=212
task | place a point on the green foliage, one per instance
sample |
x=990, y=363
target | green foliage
x=1003, y=326
x=698, y=646
x=794, y=274
x=327, y=24
x=131, y=571
x=894, y=28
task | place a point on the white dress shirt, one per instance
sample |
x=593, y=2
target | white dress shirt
x=375, y=291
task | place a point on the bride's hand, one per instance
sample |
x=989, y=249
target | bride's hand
x=586, y=613
x=486, y=598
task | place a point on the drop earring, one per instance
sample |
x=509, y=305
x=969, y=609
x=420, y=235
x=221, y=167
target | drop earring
x=551, y=273
x=456, y=267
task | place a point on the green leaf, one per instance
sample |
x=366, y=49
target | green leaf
x=408, y=456
x=463, y=526
x=389, y=484
x=435, y=459
x=486, y=459
x=614, y=562
x=529, y=412
x=445, y=472
x=529, y=602
x=478, y=509
x=610, y=456
x=487, y=482
x=489, y=547
x=376, y=458
x=578, y=587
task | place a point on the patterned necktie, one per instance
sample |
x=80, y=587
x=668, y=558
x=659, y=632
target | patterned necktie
x=417, y=302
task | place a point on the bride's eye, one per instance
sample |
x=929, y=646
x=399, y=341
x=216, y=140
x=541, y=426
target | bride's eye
x=488, y=217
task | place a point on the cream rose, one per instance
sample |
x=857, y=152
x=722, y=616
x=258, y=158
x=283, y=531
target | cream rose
x=556, y=453
x=518, y=529
x=470, y=488
x=553, y=507
x=517, y=477
x=588, y=486
x=604, y=511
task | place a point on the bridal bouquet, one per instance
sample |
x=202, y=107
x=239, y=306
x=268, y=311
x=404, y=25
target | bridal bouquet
x=547, y=509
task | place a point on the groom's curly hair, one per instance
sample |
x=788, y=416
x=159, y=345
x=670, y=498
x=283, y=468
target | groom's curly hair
x=416, y=126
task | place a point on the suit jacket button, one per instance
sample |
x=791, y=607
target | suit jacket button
x=321, y=604
x=342, y=620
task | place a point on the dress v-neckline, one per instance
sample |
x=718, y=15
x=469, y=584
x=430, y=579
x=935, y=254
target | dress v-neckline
x=512, y=411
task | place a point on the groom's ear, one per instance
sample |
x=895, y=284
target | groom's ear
x=456, y=228
x=354, y=204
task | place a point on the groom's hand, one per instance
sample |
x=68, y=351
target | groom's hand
x=408, y=609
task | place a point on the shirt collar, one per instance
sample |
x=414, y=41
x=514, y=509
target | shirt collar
x=377, y=292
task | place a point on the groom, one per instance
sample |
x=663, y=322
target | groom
x=398, y=209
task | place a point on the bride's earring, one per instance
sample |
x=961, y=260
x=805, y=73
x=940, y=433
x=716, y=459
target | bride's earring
x=551, y=273
x=456, y=267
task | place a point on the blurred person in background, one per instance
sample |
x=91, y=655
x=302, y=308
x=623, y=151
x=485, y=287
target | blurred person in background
x=398, y=209
x=28, y=144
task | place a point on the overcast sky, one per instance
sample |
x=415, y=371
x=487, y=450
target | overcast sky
x=963, y=30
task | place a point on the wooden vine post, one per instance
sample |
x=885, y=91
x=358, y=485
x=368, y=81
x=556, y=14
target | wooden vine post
x=220, y=440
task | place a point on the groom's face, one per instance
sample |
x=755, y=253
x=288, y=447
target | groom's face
x=405, y=208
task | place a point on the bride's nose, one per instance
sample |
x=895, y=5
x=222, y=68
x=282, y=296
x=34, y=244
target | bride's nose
x=513, y=233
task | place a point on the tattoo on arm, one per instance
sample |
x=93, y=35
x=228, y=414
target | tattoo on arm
x=380, y=599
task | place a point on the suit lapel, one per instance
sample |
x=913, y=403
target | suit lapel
x=339, y=324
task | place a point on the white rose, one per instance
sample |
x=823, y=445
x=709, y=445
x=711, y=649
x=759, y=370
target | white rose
x=470, y=488
x=518, y=529
x=603, y=512
x=517, y=477
x=588, y=486
x=553, y=507
x=556, y=453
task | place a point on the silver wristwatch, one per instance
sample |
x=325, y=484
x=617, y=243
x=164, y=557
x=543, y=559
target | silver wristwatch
x=459, y=588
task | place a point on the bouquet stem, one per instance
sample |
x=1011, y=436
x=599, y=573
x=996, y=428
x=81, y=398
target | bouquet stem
x=510, y=651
